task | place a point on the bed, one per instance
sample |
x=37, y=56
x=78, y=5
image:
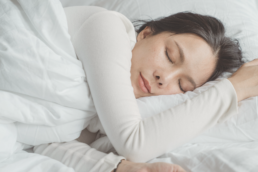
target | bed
x=230, y=146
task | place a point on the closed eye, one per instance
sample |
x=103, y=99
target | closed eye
x=168, y=56
x=180, y=86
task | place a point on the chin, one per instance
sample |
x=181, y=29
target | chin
x=137, y=96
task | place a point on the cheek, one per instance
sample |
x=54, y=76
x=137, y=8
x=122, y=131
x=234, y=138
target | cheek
x=155, y=59
x=151, y=59
x=157, y=52
x=171, y=89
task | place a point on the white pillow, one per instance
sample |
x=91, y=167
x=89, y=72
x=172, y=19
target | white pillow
x=240, y=19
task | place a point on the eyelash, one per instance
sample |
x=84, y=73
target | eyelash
x=180, y=86
x=168, y=56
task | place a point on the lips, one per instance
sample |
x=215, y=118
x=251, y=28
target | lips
x=146, y=83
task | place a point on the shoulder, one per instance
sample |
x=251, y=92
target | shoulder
x=94, y=16
x=116, y=21
x=77, y=15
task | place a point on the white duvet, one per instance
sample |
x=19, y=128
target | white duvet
x=42, y=84
x=42, y=89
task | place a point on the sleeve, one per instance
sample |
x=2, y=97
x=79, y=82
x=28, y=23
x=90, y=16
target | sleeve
x=79, y=156
x=103, y=46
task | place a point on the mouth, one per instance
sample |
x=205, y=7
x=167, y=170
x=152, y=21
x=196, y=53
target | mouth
x=144, y=84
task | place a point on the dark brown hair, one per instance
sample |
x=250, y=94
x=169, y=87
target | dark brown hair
x=227, y=50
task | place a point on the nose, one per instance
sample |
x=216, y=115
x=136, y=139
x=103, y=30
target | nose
x=161, y=82
x=158, y=78
x=163, y=78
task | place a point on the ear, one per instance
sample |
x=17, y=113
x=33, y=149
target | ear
x=146, y=32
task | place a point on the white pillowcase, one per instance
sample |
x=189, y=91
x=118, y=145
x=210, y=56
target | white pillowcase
x=240, y=19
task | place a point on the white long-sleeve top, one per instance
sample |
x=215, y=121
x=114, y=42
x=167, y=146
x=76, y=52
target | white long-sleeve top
x=103, y=41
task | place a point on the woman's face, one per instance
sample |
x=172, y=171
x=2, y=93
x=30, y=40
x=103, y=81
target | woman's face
x=167, y=61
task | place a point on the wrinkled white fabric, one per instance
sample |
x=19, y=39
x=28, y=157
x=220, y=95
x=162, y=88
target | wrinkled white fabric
x=214, y=157
x=43, y=85
x=23, y=161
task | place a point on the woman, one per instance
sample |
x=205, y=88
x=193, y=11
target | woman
x=173, y=55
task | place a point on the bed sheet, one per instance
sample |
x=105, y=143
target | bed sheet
x=228, y=157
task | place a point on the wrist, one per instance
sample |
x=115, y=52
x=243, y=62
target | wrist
x=129, y=165
x=121, y=163
x=238, y=90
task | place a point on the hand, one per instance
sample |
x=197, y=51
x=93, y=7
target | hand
x=128, y=166
x=245, y=80
x=164, y=167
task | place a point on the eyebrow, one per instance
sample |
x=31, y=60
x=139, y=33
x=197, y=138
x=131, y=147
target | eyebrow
x=182, y=56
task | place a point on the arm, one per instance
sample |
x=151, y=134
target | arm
x=103, y=46
x=79, y=156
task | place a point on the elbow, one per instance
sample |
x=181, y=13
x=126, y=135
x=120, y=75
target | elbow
x=134, y=145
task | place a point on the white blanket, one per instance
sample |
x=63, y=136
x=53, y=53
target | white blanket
x=42, y=81
x=42, y=85
x=43, y=94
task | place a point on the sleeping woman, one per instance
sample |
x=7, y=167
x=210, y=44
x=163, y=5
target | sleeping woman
x=170, y=55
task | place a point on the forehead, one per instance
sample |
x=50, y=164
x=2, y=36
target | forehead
x=199, y=58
